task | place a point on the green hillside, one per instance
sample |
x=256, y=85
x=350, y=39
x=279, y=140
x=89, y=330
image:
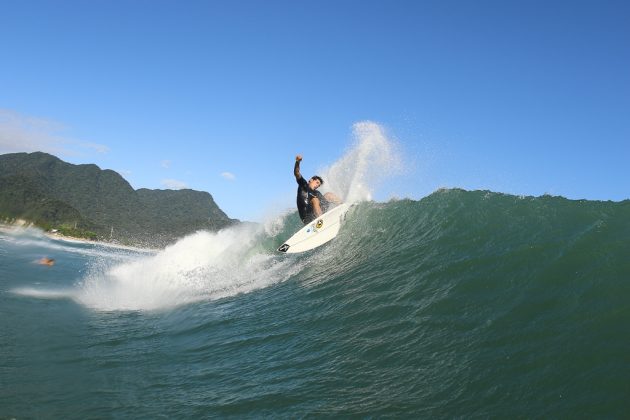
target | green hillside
x=86, y=201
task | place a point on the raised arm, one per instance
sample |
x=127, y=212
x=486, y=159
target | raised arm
x=296, y=168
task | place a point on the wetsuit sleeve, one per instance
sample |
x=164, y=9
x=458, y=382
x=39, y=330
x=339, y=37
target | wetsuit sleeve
x=302, y=182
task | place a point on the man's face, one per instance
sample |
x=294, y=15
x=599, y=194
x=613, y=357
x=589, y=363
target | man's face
x=314, y=183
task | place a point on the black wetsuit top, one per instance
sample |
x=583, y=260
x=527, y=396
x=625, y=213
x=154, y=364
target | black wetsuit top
x=304, y=195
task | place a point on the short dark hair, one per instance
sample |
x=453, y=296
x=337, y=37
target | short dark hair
x=321, y=181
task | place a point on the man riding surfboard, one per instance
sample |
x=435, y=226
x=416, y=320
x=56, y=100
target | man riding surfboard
x=310, y=202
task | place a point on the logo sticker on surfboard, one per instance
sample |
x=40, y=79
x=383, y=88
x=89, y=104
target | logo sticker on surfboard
x=284, y=248
x=319, y=224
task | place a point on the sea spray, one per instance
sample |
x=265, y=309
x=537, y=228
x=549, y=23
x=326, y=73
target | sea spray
x=372, y=158
x=201, y=266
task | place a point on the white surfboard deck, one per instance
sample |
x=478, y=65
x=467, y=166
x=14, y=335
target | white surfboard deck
x=317, y=232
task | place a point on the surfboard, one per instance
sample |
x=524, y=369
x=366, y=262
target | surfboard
x=317, y=232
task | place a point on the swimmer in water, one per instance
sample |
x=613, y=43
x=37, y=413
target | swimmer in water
x=46, y=261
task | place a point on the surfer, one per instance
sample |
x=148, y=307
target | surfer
x=310, y=202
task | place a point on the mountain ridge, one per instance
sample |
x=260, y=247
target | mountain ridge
x=87, y=201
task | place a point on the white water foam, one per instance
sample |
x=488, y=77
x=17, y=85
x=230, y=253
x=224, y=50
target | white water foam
x=36, y=237
x=201, y=266
x=45, y=293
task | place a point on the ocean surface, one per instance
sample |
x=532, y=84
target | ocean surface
x=464, y=304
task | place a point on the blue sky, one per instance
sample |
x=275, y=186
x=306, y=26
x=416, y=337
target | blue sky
x=523, y=97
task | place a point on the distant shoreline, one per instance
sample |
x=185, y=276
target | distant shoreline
x=56, y=236
x=24, y=224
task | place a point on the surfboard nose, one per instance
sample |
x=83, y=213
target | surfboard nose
x=284, y=248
